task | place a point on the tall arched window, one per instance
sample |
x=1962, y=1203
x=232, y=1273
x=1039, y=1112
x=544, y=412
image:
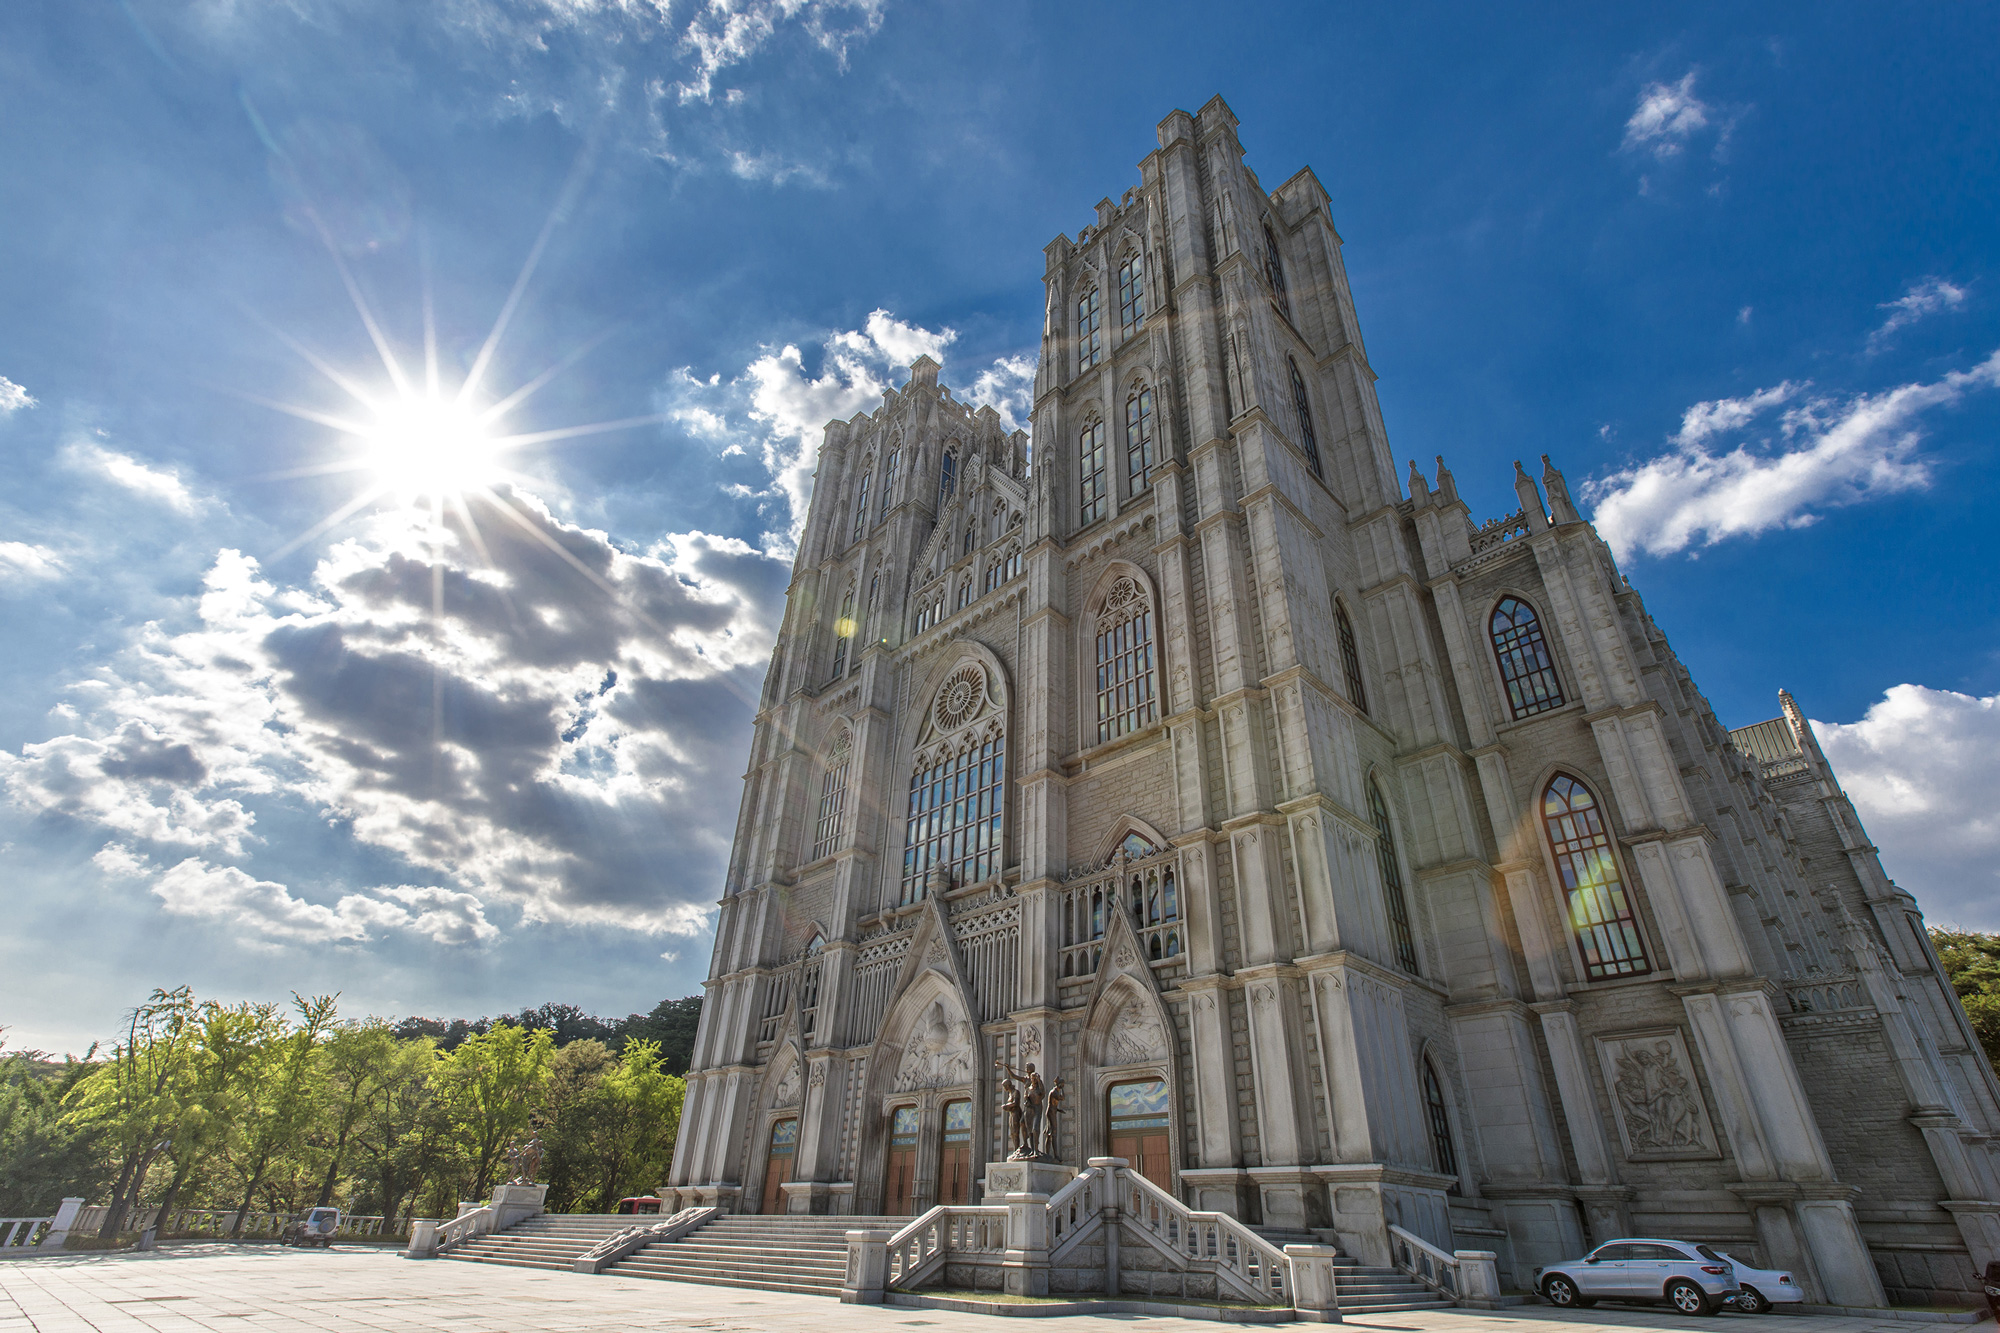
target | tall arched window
x=1525, y=666
x=1274, y=271
x=843, y=634
x=1132, y=294
x=957, y=789
x=889, y=480
x=1302, y=404
x=1350, y=657
x=1393, y=899
x=833, y=797
x=1089, y=330
x=947, y=476
x=1126, y=697
x=1600, y=912
x=1443, y=1155
x=1093, y=494
x=964, y=593
x=861, y=504
x=971, y=535
x=1139, y=441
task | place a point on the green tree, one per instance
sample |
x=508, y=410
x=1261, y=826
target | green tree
x=493, y=1086
x=356, y=1060
x=281, y=1088
x=570, y=1123
x=45, y=1156
x=1971, y=960
x=641, y=1114
x=135, y=1100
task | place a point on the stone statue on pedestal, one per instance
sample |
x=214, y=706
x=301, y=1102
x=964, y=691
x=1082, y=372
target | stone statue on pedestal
x=1026, y=1106
x=525, y=1161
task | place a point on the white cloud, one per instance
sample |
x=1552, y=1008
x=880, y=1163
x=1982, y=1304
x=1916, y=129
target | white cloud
x=21, y=562
x=1923, y=298
x=155, y=484
x=778, y=410
x=1922, y=766
x=1829, y=454
x=550, y=743
x=13, y=397
x=722, y=33
x=1666, y=117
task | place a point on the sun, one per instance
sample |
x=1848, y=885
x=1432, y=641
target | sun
x=424, y=444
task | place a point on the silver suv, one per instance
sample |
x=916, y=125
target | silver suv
x=1692, y=1278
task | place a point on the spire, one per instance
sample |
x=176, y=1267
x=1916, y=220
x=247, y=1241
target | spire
x=1420, y=490
x=1531, y=499
x=1560, y=506
x=1447, y=484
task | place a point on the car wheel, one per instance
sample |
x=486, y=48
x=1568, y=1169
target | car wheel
x=1560, y=1292
x=1752, y=1301
x=1688, y=1298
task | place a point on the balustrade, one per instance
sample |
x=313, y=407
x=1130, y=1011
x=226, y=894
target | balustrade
x=947, y=1231
x=1148, y=888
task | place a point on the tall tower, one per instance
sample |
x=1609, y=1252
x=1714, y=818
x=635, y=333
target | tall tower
x=1354, y=865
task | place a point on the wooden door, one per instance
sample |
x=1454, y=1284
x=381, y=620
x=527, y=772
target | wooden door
x=955, y=1156
x=901, y=1200
x=1137, y=1114
x=778, y=1168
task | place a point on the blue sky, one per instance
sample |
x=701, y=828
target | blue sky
x=1733, y=267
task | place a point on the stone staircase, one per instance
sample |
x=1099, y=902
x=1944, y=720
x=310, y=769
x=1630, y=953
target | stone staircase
x=775, y=1252
x=546, y=1240
x=1363, y=1290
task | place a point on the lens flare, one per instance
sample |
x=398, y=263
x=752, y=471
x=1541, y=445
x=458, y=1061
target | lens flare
x=425, y=445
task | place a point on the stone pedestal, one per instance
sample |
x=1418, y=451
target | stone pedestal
x=1478, y=1279
x=1004, y=1178
x=516, y=1203
x=1025, y=1269
x=1315, y=1296
x=867, y=1267
x=818, y=1197
x=423, y=1240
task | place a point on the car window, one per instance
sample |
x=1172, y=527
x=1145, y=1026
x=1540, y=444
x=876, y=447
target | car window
x=1611, y=1253
x=1712, y=1256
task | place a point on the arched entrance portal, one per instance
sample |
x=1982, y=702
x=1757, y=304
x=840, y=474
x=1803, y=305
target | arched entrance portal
x=778, y=1165
x=900, y=1196
x=955, y=1154
x=1136, y=1113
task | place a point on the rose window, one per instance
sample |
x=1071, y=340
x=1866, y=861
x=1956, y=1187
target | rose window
x=958, y=701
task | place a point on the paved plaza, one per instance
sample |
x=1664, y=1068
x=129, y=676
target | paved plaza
x=235, y=1289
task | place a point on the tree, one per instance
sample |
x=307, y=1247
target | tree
x=136, y=1099
x=570, y=1125
x=641, y=1118
x=673, y=1024
x=356, y=1060
x=43, y=1155
x=493, y=1086
x=1971, y=960
x=281, y=1088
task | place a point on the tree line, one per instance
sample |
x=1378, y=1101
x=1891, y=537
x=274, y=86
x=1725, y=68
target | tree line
x=260, y=1106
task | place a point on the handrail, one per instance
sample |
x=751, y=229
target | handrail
x=474, y=1222
x=1435, y=1268
x=638, y=1236
x=23, y=1232
x=1075, y=1209
x=1241, y=1257
x=923, y=1246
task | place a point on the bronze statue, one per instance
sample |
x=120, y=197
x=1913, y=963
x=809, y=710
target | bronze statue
x=1025, y=1104
x=525, y=1160
x=1051, y=1106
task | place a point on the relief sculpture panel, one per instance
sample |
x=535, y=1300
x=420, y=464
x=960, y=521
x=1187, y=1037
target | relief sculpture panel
x=1654, y=1094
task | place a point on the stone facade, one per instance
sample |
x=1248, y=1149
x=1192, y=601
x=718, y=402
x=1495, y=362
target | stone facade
x=1402, y=850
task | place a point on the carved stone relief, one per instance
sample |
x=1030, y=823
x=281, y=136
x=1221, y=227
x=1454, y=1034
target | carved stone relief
x=938, y=1053
x=787, y=1091
x=1657, y=1102
x=1134, y=1038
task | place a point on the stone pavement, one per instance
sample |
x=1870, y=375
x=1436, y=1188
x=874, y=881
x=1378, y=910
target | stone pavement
x=238, y=1289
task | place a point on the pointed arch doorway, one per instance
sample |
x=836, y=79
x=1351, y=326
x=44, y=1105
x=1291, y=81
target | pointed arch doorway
x=1135, y=1113
x=778, y=1163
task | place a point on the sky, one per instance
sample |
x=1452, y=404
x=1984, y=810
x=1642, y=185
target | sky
x=272, y=720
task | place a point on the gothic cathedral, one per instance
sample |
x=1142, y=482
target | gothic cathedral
x=1351, y=863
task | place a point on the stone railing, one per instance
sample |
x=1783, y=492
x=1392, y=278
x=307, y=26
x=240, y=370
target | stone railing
x=1469, y=1277
x=948, y=1232
x=1492, y=540
x=429, y=1239
x=1247, y=1267
x=615, y=1247
x=39, y=1233
x=1828, y=995
x=1076, y=1210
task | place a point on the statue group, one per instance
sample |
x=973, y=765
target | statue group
x=1031, y=1107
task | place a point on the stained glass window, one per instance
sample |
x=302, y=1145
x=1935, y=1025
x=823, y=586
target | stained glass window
x=889, y=480
x=843, y=633
x=1600, y=912
x=1139, y=440
x=947, y=477
x=1443, y=1154
x=1350, y=658
x=1274, y=271
x=1089, y=331
x=1525, y=666
x=833, y=798
x=861, y=508
x=1302, y=405
x=1094, y=494
x=1393, y=898
x=1126, y=697
x=954, y=816
x=1132, y=294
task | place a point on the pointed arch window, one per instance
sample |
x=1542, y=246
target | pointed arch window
x=1132, y=294
x=861, y=504
x=957, y=794
x=947, y=476
x=1093, y=494
x=1274, y=271
x=1443, y=1155
x=833, y=797
x=1127, y=698
x=1089, y=330
x=1525, y=666
x=1139, y=441
x=889, y=480
x=1350, y=657
x=1302, y=404
x=843, y=633
x=971, y=535
x=964, y=593
x=1394, y=900
x=1600, y=911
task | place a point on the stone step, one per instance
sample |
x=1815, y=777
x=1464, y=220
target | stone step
x=811, y=1273
x=723, y=1253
